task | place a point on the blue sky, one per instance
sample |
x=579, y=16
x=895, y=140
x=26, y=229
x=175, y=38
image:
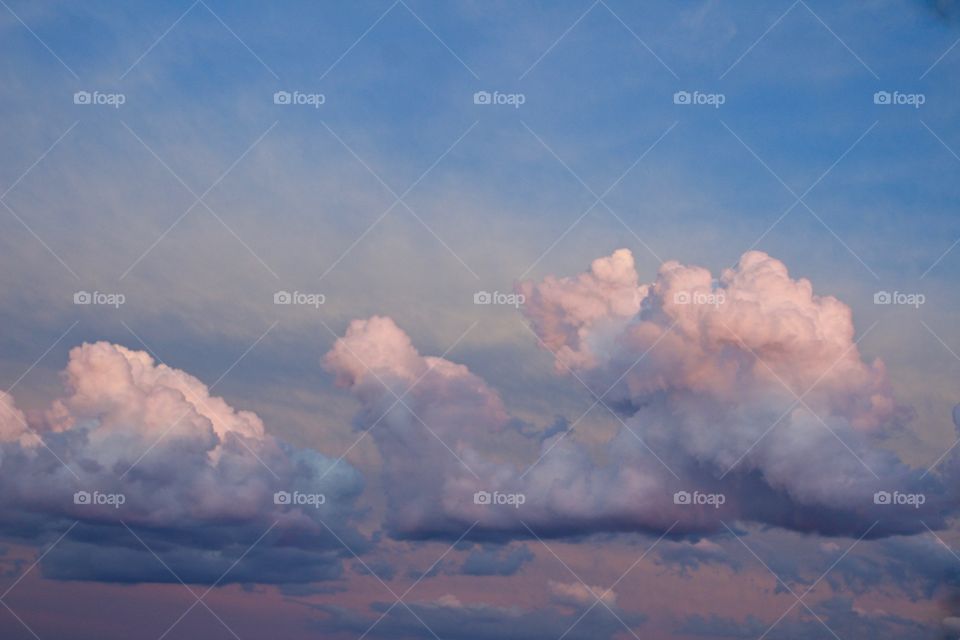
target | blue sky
x=199, y=198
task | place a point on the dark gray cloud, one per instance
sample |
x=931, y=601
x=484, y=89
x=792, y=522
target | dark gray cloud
x=132, y=563
x=379, y=568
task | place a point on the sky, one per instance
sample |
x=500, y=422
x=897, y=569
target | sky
x=465, y=320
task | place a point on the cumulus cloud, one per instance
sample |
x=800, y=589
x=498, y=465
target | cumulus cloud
x=749, y=385
x=751, y=374
x=196, y=479
x=13, y=423
x=427, y=437
x=571, y=313
x=754, y=330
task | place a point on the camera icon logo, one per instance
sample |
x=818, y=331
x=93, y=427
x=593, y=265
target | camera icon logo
x=882, y=297
x=82, y=97
x=682, y=497
x=482, y=297
x=482, y=97
x=881, y=497
x=681, y=97
x=282, y=97
x=882, y=97
x=82, y=297
x=81, y=497
x=482, y=497
x=681, y=297
x=282, y=297
x=282, y=497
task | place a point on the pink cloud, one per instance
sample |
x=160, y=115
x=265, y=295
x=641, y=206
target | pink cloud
x=705, y=375
x=578, y=595
x=181, y=458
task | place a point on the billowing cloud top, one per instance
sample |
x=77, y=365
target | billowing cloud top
x=747, y=393
x=755, y=327
x=570, y=313
x=13, y=424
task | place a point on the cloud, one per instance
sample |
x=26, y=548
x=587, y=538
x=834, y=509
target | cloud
x=714, y=626
x=750, y=387
x=838, y=616
x=13, y=423
x=495, y=561
x=429, y=438
x=448, y=617
x=687, y=557
x=151, y=449
x=579, y=595
x=569, y=312
x=751, y=374
x=756, y=325
x=920, y=567
x=379, y=568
